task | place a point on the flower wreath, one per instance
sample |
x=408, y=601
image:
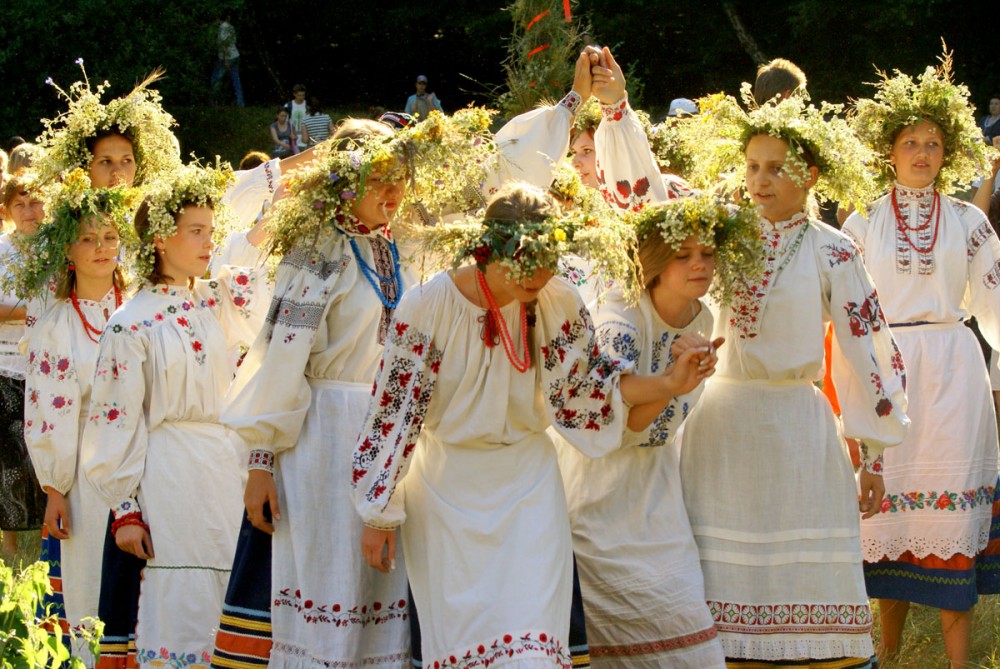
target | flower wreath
x=41, y=258
x=717, y=140
x=900, y=101
x=732, y=230
x=138, y=115
x=165, y=198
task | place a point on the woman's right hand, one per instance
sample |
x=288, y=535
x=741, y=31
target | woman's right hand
x=56, y=514
x=261, y=490
x=379, y=548
x=135, y=539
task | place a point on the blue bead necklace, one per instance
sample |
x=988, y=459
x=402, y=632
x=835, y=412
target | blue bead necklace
x=374, y=277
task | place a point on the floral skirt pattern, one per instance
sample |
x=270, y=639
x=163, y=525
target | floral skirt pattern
x=22, y=501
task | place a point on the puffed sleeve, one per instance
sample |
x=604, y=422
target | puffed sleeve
x=252, y=189
x=403, y=390
x=268, y=400
x=52, y=403
x=531, y=144
x=627, y=172
x=240, y=297
x=116, y=436
x=579, y=384
x=867, y=367
x=983, y=295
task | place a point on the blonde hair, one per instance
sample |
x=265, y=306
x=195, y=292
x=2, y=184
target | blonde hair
x=359, y=128
x=521, y=201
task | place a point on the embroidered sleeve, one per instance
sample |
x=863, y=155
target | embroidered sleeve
x=626, y=169
x=116, y=435
x=580, y=383
x=240, y=296
x=52, y=408
x=403, y=390
x=252, y=189
x=270, y=396
x=530, y=145
x=867, y=366
x=983, y=252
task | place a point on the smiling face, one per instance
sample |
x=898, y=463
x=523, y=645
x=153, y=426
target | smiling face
x=585, y=158
x=94, y=252
x=768, y=183
x=505, y=290
x=113, y=163
x=689, y=271
x=380, y=201
x=186, y=254
x=26, y=211
x=917, y=154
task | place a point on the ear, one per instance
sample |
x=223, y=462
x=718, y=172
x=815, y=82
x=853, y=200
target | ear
x=158, y=244
x=813, y=178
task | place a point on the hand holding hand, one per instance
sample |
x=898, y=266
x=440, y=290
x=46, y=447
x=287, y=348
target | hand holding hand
x=608, y=80
x=261, y=490
x=379, y=548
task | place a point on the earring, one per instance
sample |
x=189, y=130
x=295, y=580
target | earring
x=71, y=267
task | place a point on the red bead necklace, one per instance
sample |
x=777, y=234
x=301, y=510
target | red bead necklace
x=505, y=338
x=87, y=327
x=905, y=229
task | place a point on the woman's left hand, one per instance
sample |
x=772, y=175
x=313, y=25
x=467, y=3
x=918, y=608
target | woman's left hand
x=872, y=492
x=379, y=548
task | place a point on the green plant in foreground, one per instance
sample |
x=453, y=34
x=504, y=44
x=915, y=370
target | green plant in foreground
x=31, y=641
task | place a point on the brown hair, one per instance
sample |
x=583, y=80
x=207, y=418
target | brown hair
x=252, y=159
x=358, y=128
x=21, y=157
x=521, y=201
x=66, y=279
x=778, y=77
x=653, y=256
x=17, y=184
x=156, y=274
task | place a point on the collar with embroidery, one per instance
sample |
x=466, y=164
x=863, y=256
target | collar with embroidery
x=909, y=194
x=783, y=226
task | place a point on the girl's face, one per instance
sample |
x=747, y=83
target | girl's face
x=282, y=117
x=186, y=253
x=380, y=201
x=585, y=158
x=689, y=272
x=768, y=183
x=994, y=106
x=95, y=250
x=917, y=154
x=113, y=163
x=27, y=211
x=506, y=290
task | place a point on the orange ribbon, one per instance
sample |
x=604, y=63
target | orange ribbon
x=566, y=11
x=537, y=50
x=535, y=20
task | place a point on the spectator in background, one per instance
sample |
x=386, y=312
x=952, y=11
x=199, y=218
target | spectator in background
x=990, y=123
x=21, y=157
x=297, y=110
x=12, y=141
x=315, y=127
x=422, y=103
x=283, y=135
x=682, y=107
x=228, y=60
x=780, y=78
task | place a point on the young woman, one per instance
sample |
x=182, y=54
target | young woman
x=465, y=392
x=75, y=251
x=283, y=134
x=22, y=503
x=782, y=573
x=153, y=447
x=935, y=259
x=635, y=552
x=304, y=382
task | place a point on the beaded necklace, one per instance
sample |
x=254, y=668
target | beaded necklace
x=374, y=278
x=87, y=327
x=505, y=338
x=904, y=228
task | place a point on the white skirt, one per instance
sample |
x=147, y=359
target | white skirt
x=328, y=607
x=488, y=553
x=772, y=499
x=191, y=497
